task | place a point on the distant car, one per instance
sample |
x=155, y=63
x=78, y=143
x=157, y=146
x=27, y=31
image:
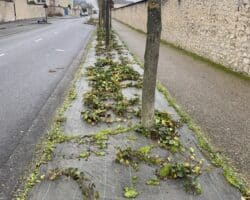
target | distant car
x=42, y=21
x=83, y=14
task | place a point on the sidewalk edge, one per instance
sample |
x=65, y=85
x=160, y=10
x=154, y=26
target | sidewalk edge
x=25, y=185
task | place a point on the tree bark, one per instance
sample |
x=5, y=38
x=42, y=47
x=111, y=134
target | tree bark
x=110, y=14
x=102, y=13
x=107, y=23
x=100, y=2
x=151, y=58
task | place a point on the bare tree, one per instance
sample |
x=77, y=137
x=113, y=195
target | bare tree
x=100, y=2
x=151, y=57
x=105, y=19
x=101, y=5
x=107, y=23
x=110, y=15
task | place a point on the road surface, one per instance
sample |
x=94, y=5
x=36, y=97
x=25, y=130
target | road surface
x=35, y=67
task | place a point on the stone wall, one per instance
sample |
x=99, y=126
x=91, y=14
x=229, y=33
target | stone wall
x=6, y=11
x=23, y=11
x=215, y=29
x=59, y=11
x=65, y=3
x=74, y=12
x=28, y=11
x=55, y=11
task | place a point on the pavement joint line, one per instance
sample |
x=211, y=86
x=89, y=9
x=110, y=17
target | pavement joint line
x=47, y=191
x=130, y=176
x=76, y=191
x=105, y=178
x=159, y=187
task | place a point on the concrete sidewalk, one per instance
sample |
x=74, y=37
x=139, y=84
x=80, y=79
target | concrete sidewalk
x=217, y=100
x=81, y=158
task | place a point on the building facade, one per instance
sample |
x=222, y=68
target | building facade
x=19, y=10
x=59, y=7
x=34, y=9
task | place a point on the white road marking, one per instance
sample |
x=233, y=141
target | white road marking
x=60, y=50
x=38, y=40
x=2, y=54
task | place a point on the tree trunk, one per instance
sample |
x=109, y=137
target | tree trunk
x=107, y=28
x=110, y=17
x=103, y=12
x=100, y=5
x=151, y=58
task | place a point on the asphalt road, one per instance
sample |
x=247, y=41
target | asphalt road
x=35, y=67
x=218, y=101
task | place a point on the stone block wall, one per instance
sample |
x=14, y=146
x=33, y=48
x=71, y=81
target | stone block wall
x=6, y=11
x=28, y=11
x=218, y=30
x=65, y=3
x=74, y=12
x=23, y=10
x=55, y=11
